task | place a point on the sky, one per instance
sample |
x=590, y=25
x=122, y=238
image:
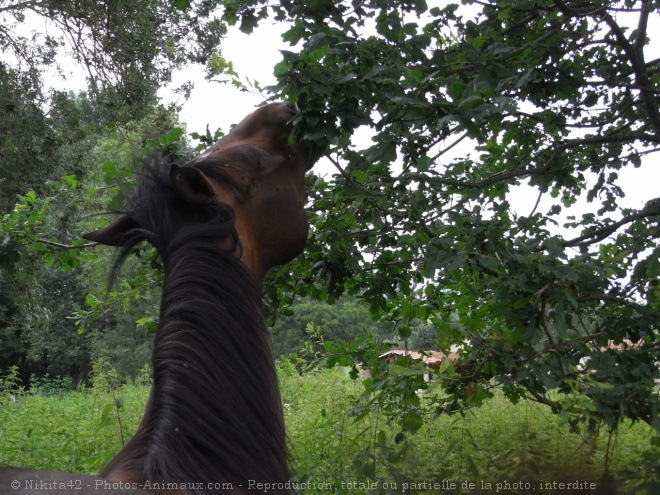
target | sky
x=217, y=104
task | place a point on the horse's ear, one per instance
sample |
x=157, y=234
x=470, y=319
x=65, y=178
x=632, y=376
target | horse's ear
x=114, y=233
x=192, y=184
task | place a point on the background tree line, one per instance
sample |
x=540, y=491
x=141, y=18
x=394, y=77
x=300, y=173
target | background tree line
x=64, y=158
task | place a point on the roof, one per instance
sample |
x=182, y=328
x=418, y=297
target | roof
x=431, y=358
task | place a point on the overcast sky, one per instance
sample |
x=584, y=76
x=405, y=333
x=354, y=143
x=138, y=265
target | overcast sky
x=219, y=105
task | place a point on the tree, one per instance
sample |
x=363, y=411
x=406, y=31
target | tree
x=126, y=49
x=344, y=320
x=52, y=283
x=28, y=142
x=62, y=156
x=554, y=96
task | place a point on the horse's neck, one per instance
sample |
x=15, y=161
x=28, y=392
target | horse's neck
x=214, y=414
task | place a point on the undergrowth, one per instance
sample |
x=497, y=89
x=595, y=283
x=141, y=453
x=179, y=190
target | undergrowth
x=496, y=448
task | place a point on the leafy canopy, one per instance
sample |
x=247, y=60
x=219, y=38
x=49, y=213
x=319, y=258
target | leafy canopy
x=549, y=97
x=127, y=50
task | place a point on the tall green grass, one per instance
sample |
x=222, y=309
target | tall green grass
x=498, y=443
x=80, y=430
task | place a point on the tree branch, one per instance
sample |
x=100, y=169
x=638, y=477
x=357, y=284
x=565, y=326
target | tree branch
x=343, y=173
x=604, y=297
x=636, y=55
x=554, y=406
x=512, y=53
x=67, y=246
x=30, y=4
x=604, y=232
x=498, y=177
x=642, y=26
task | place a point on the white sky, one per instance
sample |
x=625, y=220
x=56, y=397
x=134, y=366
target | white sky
x=221, y=104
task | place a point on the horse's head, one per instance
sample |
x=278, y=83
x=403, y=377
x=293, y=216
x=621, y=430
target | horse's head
x=257, y=172
x=268, y=190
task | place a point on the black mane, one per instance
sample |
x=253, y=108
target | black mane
x=215, y=412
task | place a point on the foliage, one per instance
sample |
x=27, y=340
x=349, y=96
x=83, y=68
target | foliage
x=47, y=386
x=552, y=98
x=52, y=284
x=126, y=49
x=77, y=430
x=343, y=320
x=64, y=156
x=499, y=442
x=26, y=150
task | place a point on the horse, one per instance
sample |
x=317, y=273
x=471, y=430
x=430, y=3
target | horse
x=213, y=422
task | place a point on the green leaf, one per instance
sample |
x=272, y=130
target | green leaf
x=360, y=176
x=399, y=370
x=471, y=102
x=282, y=68
x=294, y=34
x=106, y=417
x=182, y=4
x=412, y=423
x=504, y=14
x=405, y=331
x=71, y=181
x=249, y=21
x=172, y=137
x=110, y=171
x=456, y=90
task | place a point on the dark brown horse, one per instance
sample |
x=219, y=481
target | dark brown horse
x=213, y=422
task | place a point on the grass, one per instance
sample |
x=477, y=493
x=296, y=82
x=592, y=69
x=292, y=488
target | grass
x=494, y=444
x=76, y=431
x=497, y=448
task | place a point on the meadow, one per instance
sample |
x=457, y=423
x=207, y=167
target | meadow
x=496, y=448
